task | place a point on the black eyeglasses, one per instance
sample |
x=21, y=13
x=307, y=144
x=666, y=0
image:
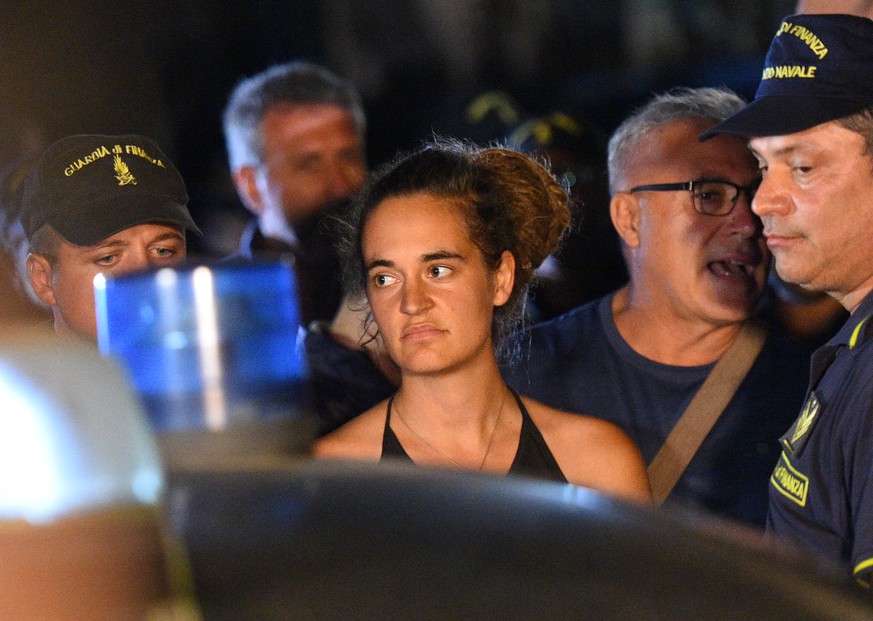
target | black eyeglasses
x=711, y=198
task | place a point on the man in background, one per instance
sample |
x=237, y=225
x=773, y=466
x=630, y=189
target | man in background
x=295, y=144
x=697, y=266
x=95, y=204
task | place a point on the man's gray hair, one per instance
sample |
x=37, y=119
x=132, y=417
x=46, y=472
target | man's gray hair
x=290, y=84
x=714, y=104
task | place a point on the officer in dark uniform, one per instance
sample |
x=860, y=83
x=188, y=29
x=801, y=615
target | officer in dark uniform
x=811, y=128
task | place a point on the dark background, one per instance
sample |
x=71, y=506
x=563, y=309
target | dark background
x=165, y=68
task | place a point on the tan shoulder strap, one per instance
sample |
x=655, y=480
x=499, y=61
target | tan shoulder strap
x=704, y=409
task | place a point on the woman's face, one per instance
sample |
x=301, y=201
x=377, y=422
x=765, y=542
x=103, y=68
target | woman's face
x=430, y=292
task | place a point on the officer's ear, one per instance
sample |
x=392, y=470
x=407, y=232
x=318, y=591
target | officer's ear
x=39, y=270
x=625, y=213
x=245, y=180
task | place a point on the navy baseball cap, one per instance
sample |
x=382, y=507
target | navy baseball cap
x=819, y=68
x=91, y=186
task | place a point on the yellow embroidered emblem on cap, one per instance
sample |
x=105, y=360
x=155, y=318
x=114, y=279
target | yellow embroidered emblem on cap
x=81, y=162
x=788, y=71
x=807, y=36
x=122, y=173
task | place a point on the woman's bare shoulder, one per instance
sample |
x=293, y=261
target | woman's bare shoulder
x=360, y=438
x=592, y=452
x=572, y=427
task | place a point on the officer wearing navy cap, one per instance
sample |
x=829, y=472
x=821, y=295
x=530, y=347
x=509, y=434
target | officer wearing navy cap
x=99, y=204
x=811, y=128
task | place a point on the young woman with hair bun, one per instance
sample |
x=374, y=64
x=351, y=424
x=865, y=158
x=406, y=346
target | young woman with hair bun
x=442, y=244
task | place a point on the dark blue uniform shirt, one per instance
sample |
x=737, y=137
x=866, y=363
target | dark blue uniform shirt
x=821, y=492
x=580, y=363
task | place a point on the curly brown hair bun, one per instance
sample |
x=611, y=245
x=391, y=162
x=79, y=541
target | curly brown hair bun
x=539, y=205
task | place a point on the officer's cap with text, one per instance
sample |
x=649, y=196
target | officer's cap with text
x=819, y=68
x=90, y=186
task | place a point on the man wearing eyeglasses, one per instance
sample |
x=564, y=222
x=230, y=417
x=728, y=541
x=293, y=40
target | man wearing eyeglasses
x=697, y=263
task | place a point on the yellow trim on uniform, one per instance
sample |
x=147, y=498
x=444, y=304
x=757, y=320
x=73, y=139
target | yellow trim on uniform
x=863, y=567
x=853, y=340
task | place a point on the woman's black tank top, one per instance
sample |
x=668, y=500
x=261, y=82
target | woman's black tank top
x=533, y=457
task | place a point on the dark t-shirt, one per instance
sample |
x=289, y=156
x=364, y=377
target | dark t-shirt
x=580, y=363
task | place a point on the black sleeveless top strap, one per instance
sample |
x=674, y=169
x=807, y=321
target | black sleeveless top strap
x=533, y=457
x=391, y=447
